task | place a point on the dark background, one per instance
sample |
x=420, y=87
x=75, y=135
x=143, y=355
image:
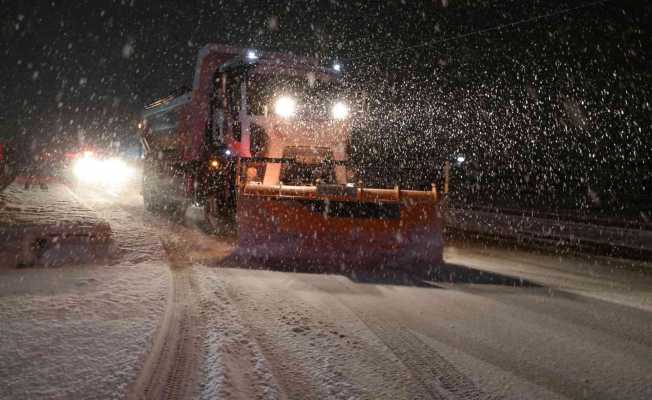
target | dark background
x=548, y=113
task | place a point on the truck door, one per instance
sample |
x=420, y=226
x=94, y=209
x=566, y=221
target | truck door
x=218, y=124
x=226, y=106
x=234, y=104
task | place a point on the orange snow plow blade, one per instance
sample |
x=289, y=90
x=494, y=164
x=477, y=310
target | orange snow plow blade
x=340, y=225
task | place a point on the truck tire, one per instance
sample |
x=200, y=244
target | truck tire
x=217, y=219
x=151, y=202
x=147, y=200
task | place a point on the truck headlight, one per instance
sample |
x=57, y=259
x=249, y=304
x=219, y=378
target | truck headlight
x=340, y=110
x=285, y=107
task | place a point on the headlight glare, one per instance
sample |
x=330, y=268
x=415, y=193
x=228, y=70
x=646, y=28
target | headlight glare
x=285, y=107
x=340, y=110
x=110, y=172
x=87, y=168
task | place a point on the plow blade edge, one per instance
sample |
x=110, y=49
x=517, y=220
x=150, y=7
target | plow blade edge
x=308, y=229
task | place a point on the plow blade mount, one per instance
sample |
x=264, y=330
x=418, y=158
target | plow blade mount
x=355, y=227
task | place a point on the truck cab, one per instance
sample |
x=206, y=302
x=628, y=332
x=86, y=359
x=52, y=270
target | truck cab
x=266, y=107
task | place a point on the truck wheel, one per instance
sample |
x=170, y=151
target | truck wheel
x=150, y=200
x=147, y=200
x=219, y=220
x=175, y=209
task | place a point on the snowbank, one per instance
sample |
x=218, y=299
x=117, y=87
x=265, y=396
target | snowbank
x=49, y=226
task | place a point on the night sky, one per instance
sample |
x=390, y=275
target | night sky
x=545, y=98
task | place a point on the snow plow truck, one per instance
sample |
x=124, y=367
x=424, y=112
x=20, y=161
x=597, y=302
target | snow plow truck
x=260, y=144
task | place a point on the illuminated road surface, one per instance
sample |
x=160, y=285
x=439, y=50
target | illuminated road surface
x=172, y=315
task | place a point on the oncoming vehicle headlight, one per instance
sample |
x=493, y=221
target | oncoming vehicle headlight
x=111, y=172
x=285, y=107
x=115, y=172
x=340, y=110
x=87, y=168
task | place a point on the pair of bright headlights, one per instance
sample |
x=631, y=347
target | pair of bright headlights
x=111, y=172
x=286, y=107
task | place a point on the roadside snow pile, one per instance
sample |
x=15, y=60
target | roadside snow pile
x=49, y=226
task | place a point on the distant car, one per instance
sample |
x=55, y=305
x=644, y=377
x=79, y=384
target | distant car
x=97, y=168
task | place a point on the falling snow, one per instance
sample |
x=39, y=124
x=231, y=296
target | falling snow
x=528, y=124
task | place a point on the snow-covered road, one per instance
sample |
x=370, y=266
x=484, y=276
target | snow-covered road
x=336, y=336
x=174, y=315
x=80, y=331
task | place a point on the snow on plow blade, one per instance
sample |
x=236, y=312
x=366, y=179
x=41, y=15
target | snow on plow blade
x=340, y=225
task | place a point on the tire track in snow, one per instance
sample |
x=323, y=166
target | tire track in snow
x=436, y=374
x=317, y=347
x=170, y=367
x=234, y=365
